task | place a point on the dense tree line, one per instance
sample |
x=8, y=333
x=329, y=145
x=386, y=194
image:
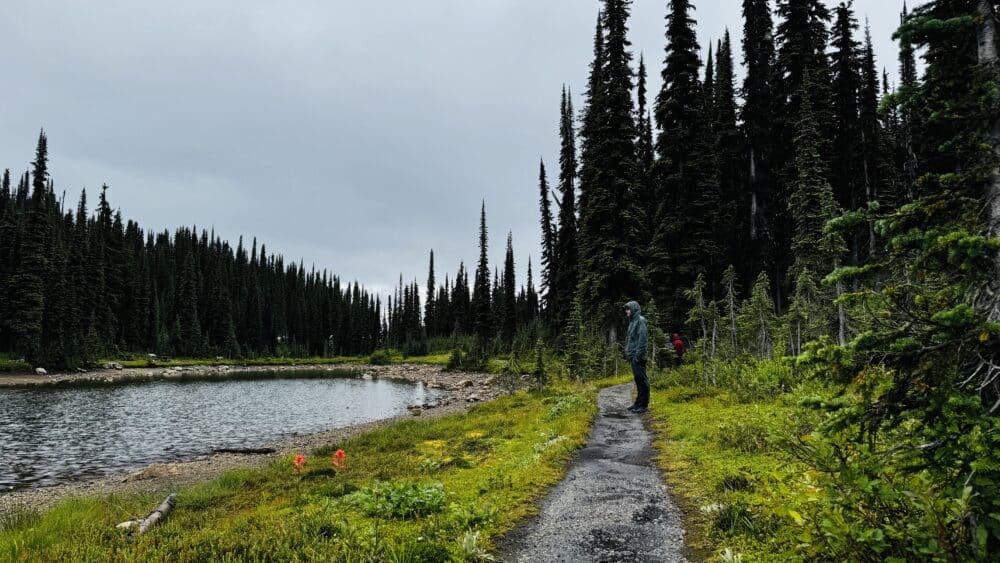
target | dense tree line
x=494, y=312
x=711, y=174
x=831, y=222
x=78, y=286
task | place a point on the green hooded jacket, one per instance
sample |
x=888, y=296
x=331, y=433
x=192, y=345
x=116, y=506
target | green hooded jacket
x=637, y=337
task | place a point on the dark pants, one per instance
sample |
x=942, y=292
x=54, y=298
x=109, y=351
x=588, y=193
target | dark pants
x=641, y=383
x=678, y=361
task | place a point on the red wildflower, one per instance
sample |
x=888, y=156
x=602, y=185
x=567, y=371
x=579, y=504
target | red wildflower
x=299, y=463
x=338, y=459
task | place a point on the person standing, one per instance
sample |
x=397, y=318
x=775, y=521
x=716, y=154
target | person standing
x=636, y=343
x=678, y=343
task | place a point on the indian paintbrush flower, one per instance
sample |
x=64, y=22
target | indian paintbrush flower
x=298, y=463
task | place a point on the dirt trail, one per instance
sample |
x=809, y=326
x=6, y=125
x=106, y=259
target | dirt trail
x=613, y=504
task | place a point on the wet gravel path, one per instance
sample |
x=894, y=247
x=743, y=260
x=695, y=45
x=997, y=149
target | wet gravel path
x=613, y=504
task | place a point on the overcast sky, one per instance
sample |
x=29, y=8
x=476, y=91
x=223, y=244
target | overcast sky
x=353, y=135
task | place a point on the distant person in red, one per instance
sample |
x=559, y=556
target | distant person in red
x=678, y=349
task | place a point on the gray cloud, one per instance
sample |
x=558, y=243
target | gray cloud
x=355, y=136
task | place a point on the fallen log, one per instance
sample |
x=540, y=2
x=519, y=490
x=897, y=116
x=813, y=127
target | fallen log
x=154, y=517
x=244, y=451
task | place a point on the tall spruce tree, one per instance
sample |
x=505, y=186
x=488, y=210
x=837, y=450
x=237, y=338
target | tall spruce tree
x=802, y=39
x=872, y=143
x=812, y=202
x=645, y=193
x=27, y=285
x=906, y=147
x=550, y=262
x=816, y=248
x=508, y=297
x=846, y=171
x=687, y=238
x=760, y=202
x=430, y=307
x=482, y=309
x=564, y=281
x=727, y=149
x=608, y=264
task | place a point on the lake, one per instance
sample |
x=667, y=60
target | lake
x=56, y=435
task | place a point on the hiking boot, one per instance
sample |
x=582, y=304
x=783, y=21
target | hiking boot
x=632, y=408
x=639, y=410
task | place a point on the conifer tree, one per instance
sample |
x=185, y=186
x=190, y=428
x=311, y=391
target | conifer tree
x=27, y=285
x=802, y=39
x=756, y=319
x=430, y=307
x=563, y=283
x=731, y=308
x=608, y=266
x=872, y=142
x=679, y=113
x=812, y=201
x=509, y=297
x=550, y=263
x=933, y=350
x=645, y=192
x=187, y=324
x=846, y=170
x=482, y=310
x=9, y=252
x=908, y=84
x=757, y=117
x=731, y=194
x=532, y=298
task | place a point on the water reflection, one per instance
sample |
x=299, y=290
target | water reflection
x=55, y=435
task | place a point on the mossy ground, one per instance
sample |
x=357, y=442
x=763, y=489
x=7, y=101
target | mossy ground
x=491, y=463
x=728, y=464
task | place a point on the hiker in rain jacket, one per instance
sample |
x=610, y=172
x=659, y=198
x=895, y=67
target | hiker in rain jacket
x=636, y=343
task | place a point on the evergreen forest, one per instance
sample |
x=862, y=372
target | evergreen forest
x=822, y=227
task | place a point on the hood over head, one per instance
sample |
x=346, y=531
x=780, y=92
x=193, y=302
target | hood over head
x=632, y=306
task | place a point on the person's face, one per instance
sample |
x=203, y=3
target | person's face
x=628, y=312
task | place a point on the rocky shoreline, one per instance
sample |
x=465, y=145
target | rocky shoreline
x=461, y=390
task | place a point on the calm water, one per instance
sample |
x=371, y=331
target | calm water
x=50, y=436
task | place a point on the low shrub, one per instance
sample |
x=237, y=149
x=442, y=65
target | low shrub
x=400, y=499
x=380, y=358
x=745, y=436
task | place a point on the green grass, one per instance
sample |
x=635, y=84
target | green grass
x=490, y=464
x=8, y=365
x=727, y=461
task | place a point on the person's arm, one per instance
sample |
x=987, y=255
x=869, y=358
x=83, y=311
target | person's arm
x=643, y=344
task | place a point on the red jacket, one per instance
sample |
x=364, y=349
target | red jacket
x=678, y=345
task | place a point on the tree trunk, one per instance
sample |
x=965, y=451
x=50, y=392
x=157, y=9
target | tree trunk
x=154, y=517
x=986, y=299
x=841, y=311
x=987, y=35
x=715, y=361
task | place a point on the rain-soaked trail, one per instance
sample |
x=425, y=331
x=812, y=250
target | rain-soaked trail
x=613, y=504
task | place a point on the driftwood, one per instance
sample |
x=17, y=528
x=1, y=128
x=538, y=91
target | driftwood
x=243, y=451
x=142, y=526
